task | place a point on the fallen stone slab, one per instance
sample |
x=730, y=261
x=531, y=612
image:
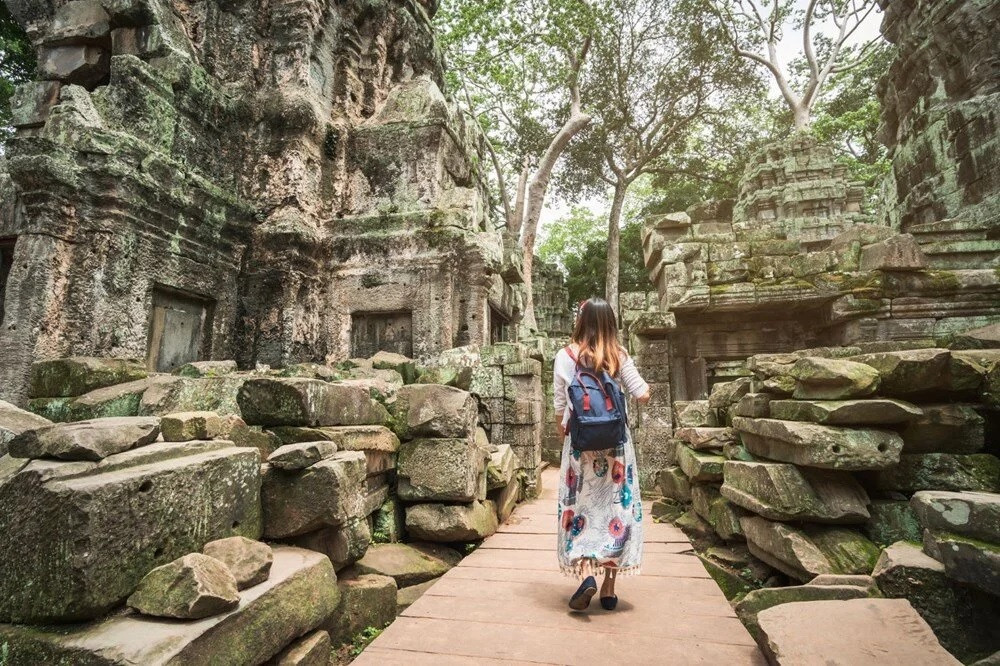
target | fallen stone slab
x=344, y=544
x=433, y=410
x=949, y=428
x=755, y=405
x=249, y=561
x=407, y=595
x=813, y=445
x=966, y=559
x=441, y=469
x=779, y=491
x=311, y=650
x=183, y=394
x=892, y=520
x=963, y=619
x=189, y=426
x=79, y=374
x=327, y=493
x=724, y=394
x=299, y=595
x=706, y=438
x=198, y=369
x=347, y=438
x=14, y=421
x=86, y=440
x=500, y=469
x=116, y=400
x=293, y=401
x=972, y=514
x=832, y=379
x=941, y=471
x=871, y=411
x=404, y=365
x=674, y=484
x=804, y=552
x=860, y=632
x=768, y=597
x=700, y=466
x=189, y=588
x=445, y=523
x=366, y=600
x=694, y=414
x=717, y=511
x=96, y=529
x=408, y=563
x=909, y=371
x=301, y=454
x=505, y=499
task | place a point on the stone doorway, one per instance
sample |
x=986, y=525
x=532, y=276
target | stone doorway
x=373, y=332
x=6, y=261
x=179, y=330
x=499, y=325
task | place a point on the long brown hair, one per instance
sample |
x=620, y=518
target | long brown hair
x=596, y=333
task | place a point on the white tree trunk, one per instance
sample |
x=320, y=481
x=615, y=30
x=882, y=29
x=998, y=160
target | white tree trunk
x=614, y=242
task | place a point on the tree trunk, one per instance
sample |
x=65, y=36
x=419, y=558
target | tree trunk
x=614, y=235
x=802, y=116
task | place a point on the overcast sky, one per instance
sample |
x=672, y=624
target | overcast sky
x=789, y=49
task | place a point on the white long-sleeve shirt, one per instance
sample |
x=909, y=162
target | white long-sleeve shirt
x=564, y=367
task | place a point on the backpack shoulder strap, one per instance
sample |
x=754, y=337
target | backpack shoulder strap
x=569, y=351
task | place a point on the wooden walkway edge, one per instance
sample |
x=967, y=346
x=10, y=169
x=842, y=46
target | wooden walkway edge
x=506, y=603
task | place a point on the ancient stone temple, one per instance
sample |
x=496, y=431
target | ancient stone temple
x=830, y=371
x=224, y=181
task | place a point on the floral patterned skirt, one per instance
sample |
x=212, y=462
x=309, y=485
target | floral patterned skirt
x=600, y=512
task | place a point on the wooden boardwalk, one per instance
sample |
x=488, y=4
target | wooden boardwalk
x=506, y=603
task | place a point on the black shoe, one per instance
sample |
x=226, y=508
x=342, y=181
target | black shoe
x=609, y=603
x=581, y=598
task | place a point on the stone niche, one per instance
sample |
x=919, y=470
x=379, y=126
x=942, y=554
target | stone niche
x=239, y=183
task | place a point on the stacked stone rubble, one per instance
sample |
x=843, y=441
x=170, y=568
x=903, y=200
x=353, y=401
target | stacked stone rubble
x=508, y=382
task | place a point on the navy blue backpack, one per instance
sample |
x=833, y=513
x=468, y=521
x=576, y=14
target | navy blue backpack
x=598, y=419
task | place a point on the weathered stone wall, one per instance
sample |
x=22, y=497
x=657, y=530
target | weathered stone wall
x=940, y=122
x=258, y=179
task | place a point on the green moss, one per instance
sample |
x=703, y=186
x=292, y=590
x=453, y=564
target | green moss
x=942, y=281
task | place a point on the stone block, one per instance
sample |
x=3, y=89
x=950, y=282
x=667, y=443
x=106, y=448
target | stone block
x=14, y=421
x=717, y=511
x=347, y=438
x=79, y=374
x=909, y=371
x=487, y=382
x=971, y=514
x=832, y=379
x=311, y=650
x=368, y=600
x=293, y=401
x=726, y=393
x=754, y=405
x=301, y=454
x=31, y=102
x=440, y=469
x=249, y=561
x=700, y=466
x=706, y=438
x=867, y=632
x=452, y=522
x=941, y=471
x=759, y=600
x=503, y=353
x=694, y=414
x=432, y=410
x=96, y=529
x=189, y=426
x=872, y=411
x=199, y=369
x=967, y=560
x=810, y=550
x=505, y=499
x=948, y=428
x=899, y=253
x=79, y=21
x=408, y=563
x=405, y=366
x=822, y=446
x=788, y=493
x=344, y=544
x=500, y=469
x=673, y=483
x=299, y=595
x=962, y=619
x=326, y=494
x=891, y=521
x=189, y=588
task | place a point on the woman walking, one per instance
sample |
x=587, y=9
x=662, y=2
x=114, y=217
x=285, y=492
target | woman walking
x=600, y=512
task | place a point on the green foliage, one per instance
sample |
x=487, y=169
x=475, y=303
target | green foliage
x=363, y=639
x=17, y=65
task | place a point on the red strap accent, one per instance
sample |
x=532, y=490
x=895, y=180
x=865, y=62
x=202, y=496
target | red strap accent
x=569, y=351
x=586, y=402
